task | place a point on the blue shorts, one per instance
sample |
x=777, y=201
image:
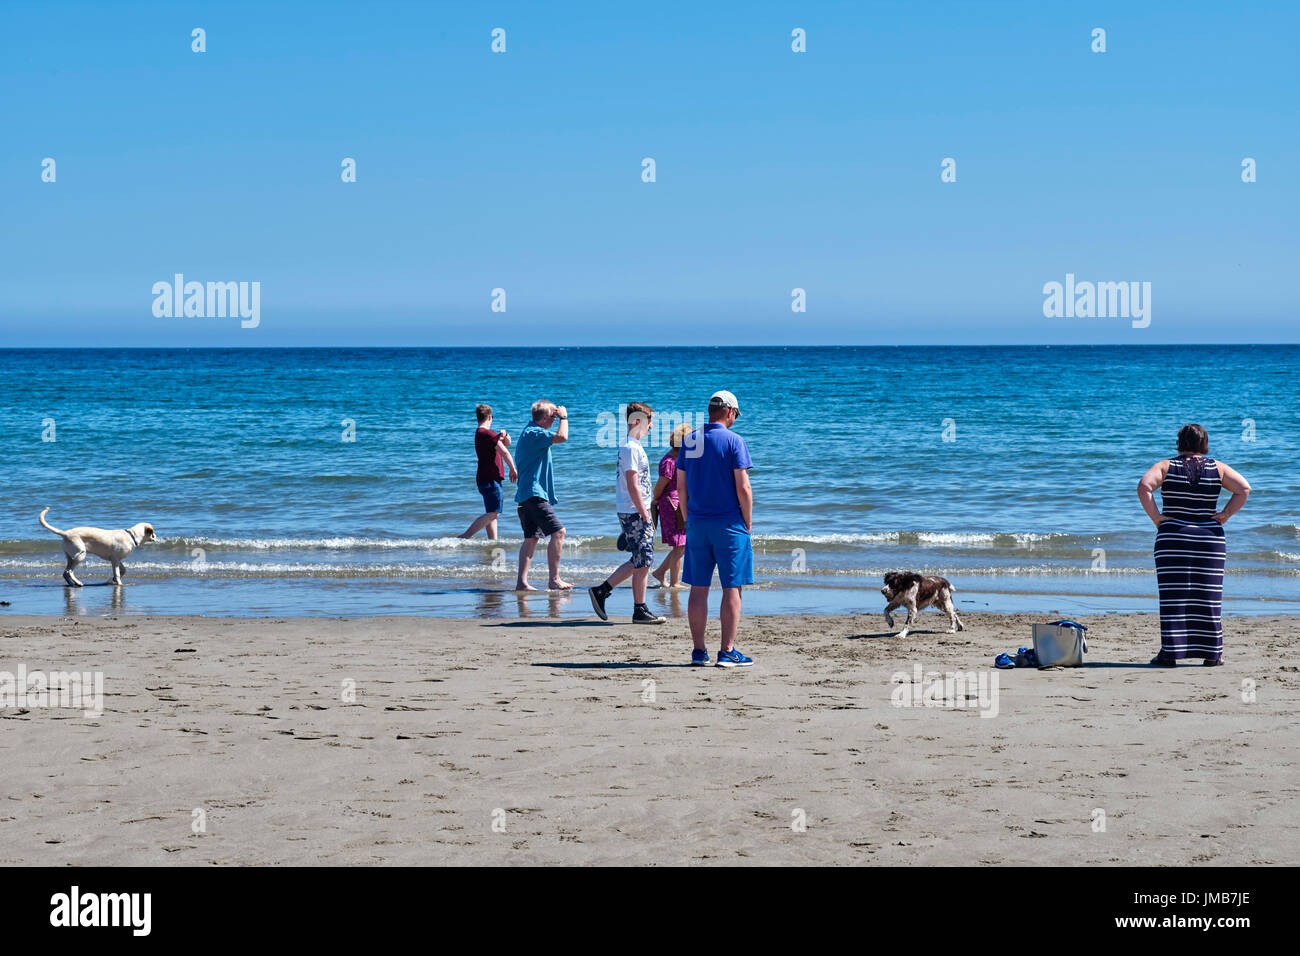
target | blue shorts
x=724, y=544
x=491, y=496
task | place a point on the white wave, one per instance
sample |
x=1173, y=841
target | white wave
x=345, y=543
x=1021, y=538
x=870, y=538
x=576, y=569
x=274, y=569
x=956, y=574
x=919, y=537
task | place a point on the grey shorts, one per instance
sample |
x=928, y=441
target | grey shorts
x=640, y=540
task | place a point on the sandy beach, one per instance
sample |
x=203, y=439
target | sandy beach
x=542, y=741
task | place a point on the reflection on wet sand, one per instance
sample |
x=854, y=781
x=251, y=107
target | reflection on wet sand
x=73, y=607
x=491, y=604
x=555, y=601
x=672, y=601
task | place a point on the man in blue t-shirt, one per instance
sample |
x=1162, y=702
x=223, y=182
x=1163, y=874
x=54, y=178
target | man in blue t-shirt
x=536, y=491
x=713, y=486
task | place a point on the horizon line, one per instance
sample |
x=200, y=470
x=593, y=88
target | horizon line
x=502, y=348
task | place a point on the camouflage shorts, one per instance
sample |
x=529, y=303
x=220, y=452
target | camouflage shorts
x=640, y=540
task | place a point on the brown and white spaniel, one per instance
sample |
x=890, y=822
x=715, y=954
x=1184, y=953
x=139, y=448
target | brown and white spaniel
x=917, y=592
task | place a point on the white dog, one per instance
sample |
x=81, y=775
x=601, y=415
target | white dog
x=112, y=546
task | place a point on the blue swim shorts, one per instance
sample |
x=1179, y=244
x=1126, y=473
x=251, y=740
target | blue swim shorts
x=491, y=496
x=725, y=545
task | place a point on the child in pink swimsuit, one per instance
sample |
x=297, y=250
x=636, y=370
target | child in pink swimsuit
x=671, y=532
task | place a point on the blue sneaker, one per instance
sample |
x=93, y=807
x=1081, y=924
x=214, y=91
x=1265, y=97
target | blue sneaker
x=733, y=658
x=699, y=658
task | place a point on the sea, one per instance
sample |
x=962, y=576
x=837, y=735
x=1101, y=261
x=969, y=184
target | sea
x=336, y=482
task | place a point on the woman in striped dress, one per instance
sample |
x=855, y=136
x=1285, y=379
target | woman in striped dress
x=1190, y=546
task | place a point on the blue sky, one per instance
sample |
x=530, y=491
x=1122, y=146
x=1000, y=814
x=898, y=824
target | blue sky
x=522, y=171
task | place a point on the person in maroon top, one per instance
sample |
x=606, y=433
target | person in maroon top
x=490, y=447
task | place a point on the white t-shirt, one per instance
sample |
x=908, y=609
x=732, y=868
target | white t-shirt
x=632, y=457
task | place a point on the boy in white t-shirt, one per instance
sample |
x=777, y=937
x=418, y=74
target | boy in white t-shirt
x=632, y=491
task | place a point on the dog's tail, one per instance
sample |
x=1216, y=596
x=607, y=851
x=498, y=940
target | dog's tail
x=49, y=527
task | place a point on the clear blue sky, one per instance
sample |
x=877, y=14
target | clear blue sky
x=523, y=171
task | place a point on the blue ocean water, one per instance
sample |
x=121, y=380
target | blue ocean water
x=1011, y=470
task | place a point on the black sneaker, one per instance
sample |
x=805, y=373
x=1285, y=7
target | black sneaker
x=643, y=615
x=599, y=594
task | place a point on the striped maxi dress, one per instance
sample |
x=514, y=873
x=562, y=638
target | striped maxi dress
x=1190, y=549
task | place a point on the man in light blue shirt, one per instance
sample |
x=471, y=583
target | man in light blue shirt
x=536, y=492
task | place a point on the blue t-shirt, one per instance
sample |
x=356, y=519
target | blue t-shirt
x=709, y=459
x=533, y=462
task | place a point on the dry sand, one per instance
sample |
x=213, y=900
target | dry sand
x=543, y=726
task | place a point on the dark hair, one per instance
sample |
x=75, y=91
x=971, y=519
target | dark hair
x=901, y=580
x=639, y=408
x=1193, y=440
x=484, y=412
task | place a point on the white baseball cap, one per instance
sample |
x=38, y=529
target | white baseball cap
x=724, y=399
